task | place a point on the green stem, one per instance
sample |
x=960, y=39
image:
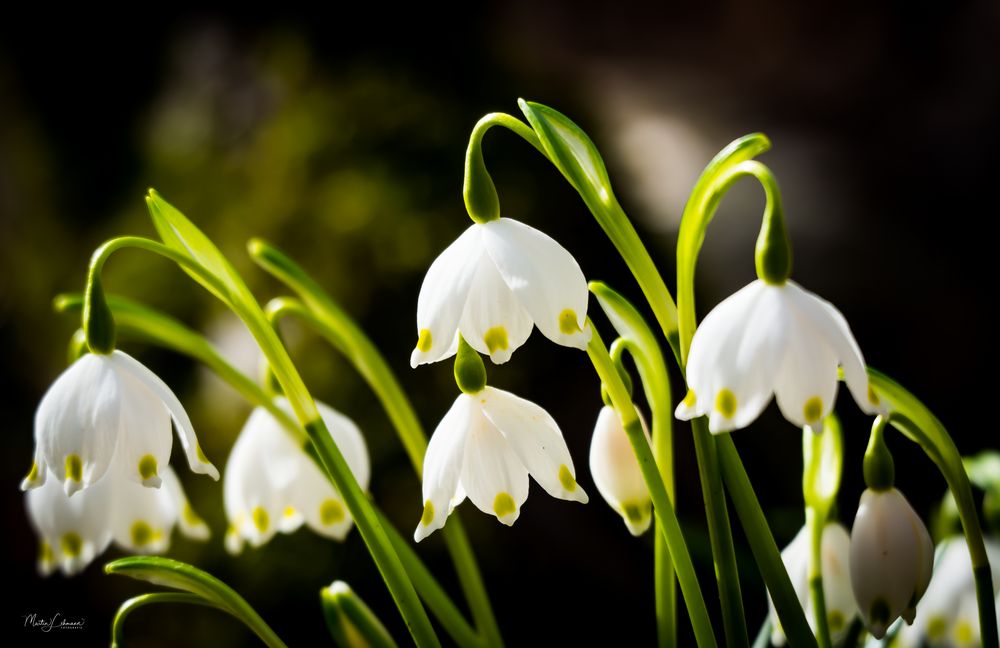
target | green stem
x=305, y=410
x=765, y=550
x=323, y=314
x=912, y=417
x=720, y=535
x=666, y=518
x=433, y=594
x=133, y=604
x=641, y=343
x=814, y=526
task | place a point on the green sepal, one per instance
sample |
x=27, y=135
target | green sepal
x=773, y=252
x=573, y=153
x=479, y=192
x=187, y=578
x=350, y=621
x=879, y=468
x=470, y=372
x=98, y=322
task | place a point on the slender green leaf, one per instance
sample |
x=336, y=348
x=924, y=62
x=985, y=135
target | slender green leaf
x=187, y=578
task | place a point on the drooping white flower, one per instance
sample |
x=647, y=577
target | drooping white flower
x=948, y=614
x=835, y=554
x=616, y=471
x=492, y=284
x=72, y=531
x=272, y=485
x=106, y=406
x=775, y=340
x=484, y=448
x=892, y=558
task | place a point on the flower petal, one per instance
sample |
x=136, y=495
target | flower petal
x=320, y=504
x=443, y=294
x=831, y=324
x=806, y=385
x=196, y=458
x=72, y=530
x=191, y=524
x=616, y=471
x=141, y=518
x=535, y=438
x=545, y=277
x=494, y=322
x=492, y=474
x=252, y=499
x=144, y=436
x=76, y=424
x=349, y=440
x=443, y=465
x=721, y=330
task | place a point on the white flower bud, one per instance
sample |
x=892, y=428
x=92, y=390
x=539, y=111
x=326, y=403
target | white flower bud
x=892, y=557
x=616, y=471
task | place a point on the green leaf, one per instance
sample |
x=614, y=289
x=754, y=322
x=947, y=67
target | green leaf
x=180, y=234
x=571, y=151
x=352, y=624
x=187, y=578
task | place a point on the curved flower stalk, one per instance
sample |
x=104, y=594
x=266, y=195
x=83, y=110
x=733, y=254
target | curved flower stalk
x=616, y=471
x=772, y=340
x=835, y=556
x=74, y=530
x=947, y=615
x=104, y=407
x=495, y=282
x=484, y=449
x=272, y=485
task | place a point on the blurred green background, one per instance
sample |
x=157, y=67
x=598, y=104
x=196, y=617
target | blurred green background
x=340, y=136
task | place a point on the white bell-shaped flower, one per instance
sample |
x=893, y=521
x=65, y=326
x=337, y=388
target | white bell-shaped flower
x=892, y=557
x=106, y=406
x=616, y=471
x=948, y=613
x=778, y=340
x=272, y=485
x=73, y=531
x=492, y=284
x=485, y=447
x=835, y=555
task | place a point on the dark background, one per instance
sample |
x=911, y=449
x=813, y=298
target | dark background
x=341, y=137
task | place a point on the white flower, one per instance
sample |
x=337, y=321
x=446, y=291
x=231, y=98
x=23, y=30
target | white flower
x=485, y=447
x=492, y=284
x=106, y=406
x=616, y=471
x=272, y=485
x=892, y=557
x=73, y=531
x=768, y=339
x=835, y=552
x=948, y=614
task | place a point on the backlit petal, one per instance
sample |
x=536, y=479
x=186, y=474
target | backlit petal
x=492, y=474
x=545, y=277
x=77, y=422
x=443, y=465
x=196, y=458
x=493, y=322
x=443, y=295
x=536, y=439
